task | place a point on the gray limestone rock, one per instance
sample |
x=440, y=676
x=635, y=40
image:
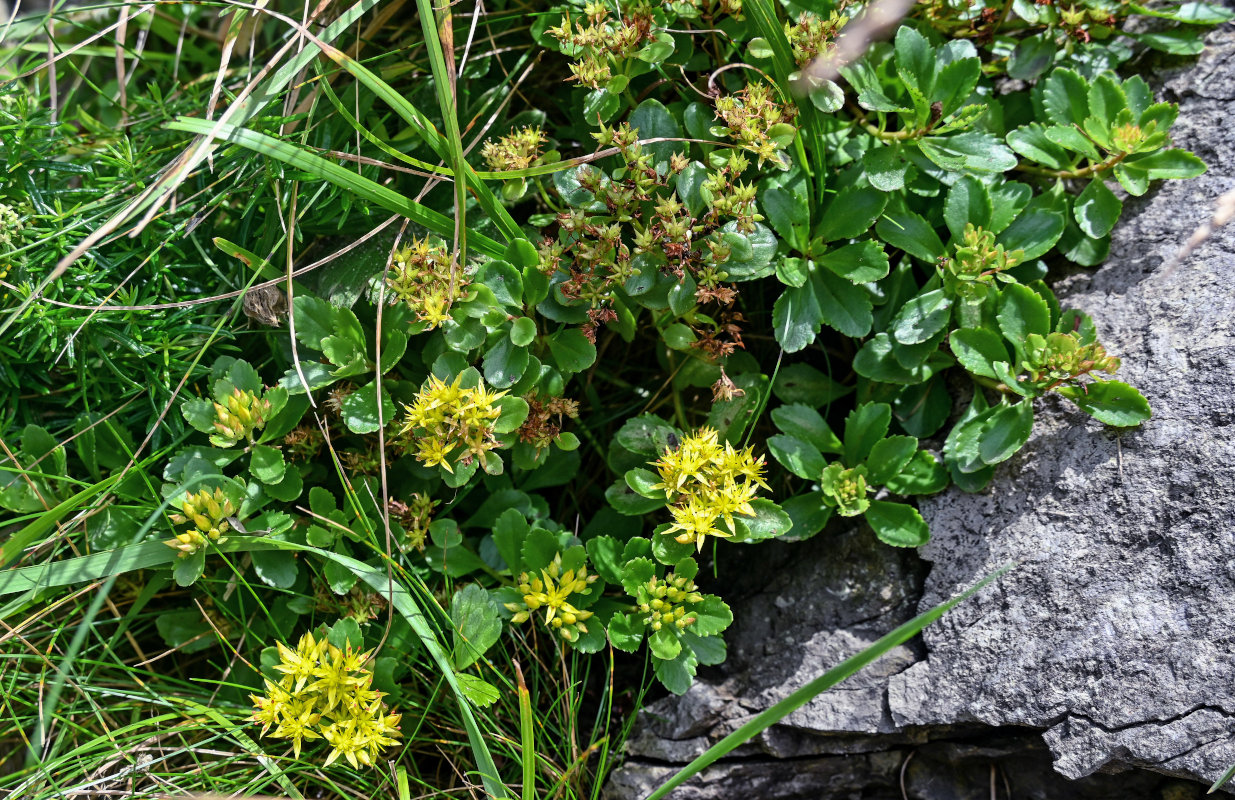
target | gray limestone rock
x=1107, y=654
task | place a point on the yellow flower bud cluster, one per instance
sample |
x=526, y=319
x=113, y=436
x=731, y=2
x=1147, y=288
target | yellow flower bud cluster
x=756, y=120
x=420, y=276
x=448, y=423
x=207, y=512
x=1059, y=357
x=845, y=489
x=976, y=265
x=326, y=693
x=518, y=150
x=666, y=601
x=11, y=225
x=551, y=591
x=238, y=416
x=705, y=482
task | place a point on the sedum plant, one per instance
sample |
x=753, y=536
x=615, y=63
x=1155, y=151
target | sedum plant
x=689, y=243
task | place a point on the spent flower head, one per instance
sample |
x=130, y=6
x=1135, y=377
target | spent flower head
x=707, y=482
x=422, y=275
x=518, y=150
x=758, y=121
x=813, y=35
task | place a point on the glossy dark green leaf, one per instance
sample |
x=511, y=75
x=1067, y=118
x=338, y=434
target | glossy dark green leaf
x=897, y=524
x=799, y=457
x=977, y=349
x=677, y=674
x=1097, y=209
x=1022, y=311
x=788, y=216
x=277, y=568
x=808, y=513
x=1005, y=432
x=972, y=151
x=805, y=423
x=1032, y=56
x=921, y=317
x=924, y=474
x=968, y=202
x=505, y=363
x=1177, y=164
x=769, y=522
x=266, y=464
x=851, y=213
x=477, y=624
x=888, y=457
x=652, y=120
x=1035, y=231
x=911, y=233
x=360, y=412
x=571, y=350
x=842, y=306
x=1065, y=96
x=864, y=426
x=885, y=168
x=802, y=383
x=1110, y=402
x=860, y=262
x=877, y=361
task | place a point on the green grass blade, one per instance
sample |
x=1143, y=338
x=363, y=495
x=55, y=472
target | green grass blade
x=19, y=541
x=827, y=680
x=528, y=736
x=106, y=563
x=238, y=113
x=269, y=764
x=145, y=555
x=435, y=22
x=1226, y=776
x=763, y=12
x=338, y=175
x=442, y=145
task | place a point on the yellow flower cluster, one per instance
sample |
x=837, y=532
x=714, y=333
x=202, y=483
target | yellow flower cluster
x=707, y=481
x=208, y=513
x=420, y=277
x=448, y=423
x=326, y=693
x=551, y=591
x=238, y=416
x=518, y=150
